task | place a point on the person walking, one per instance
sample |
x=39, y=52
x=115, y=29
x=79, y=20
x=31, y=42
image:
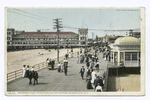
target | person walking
x=96, y=59
x=64, y=61
x=82, y=72
x=78, y=59
x=88, y=64
x=92, y=64
x=59, y=67
x=97, y=66
x=65, y=68
x=66, y=56
x=71, y=53
x=87, y=59
x=24, y=71
x=35, y=77
x=62, y=67
x=30, y=77
x=98, y=80
x=27, y=71
x=88, y=73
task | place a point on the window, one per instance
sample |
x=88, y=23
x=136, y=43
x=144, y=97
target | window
x=8, y=38
x=127, y=57
x=134, y=56
x=130, y=56
x=8, y=43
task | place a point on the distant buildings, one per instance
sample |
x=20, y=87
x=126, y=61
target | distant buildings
x=34, y=40
x=10, y=34
x=83, y=37
x=135, y=34
x=17, y=40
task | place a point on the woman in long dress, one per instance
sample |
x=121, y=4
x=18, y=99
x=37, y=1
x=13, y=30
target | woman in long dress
x=24, y=70
x=62, y=67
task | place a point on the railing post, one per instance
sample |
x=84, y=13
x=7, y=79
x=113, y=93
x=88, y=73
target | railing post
x=7, y=77
x=43, y=64
x=15, y=74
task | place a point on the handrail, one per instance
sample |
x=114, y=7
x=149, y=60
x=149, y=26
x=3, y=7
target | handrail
x=18, y=73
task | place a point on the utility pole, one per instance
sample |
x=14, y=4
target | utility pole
x=57, y=26
x=92, y=37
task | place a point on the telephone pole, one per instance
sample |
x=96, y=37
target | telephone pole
x=92, y=37
x=57, y=26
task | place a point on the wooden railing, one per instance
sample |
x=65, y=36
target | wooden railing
x=19, y=73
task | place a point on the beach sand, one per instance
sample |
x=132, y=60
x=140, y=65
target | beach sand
x=16, y=59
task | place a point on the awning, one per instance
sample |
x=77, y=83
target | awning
x=131, y=50
x=114, y=50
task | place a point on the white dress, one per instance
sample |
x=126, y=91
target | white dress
x=93, y=77
x=24, y=71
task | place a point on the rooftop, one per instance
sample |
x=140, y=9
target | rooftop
x=127, y=40
x=71, y=33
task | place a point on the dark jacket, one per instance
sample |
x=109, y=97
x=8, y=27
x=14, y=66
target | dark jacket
x=35, y=75
x=98, y=80
x=65, y=67
x=82, y=71
x=30, y=75
x=88, y=73
x=87, y=64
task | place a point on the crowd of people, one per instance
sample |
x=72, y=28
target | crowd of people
x=90, y=57
x=28, y=72
x=63, y=66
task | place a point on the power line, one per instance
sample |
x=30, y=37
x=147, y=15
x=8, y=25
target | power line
x=102, y=29
x=31, y=14
x=27, y=16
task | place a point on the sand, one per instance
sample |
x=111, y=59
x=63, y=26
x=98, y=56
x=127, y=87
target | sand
x=16, y=59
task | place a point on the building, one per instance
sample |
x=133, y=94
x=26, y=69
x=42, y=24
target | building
x=10, y=34
x=135, y=34
x=126, y=52
x=125, y=55
x=83, y=37
x=34, y=40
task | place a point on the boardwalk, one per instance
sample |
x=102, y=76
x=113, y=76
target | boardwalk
x=51, y=80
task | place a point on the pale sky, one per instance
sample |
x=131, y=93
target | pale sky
x=32, y=19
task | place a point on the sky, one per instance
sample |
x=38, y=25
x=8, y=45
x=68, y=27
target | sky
x=95, y=19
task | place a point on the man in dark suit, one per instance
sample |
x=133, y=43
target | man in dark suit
x=97, y=81
x=88, y=64
x=82, y=71
x=65, y=68
x=35, y=77
x=30, y=77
